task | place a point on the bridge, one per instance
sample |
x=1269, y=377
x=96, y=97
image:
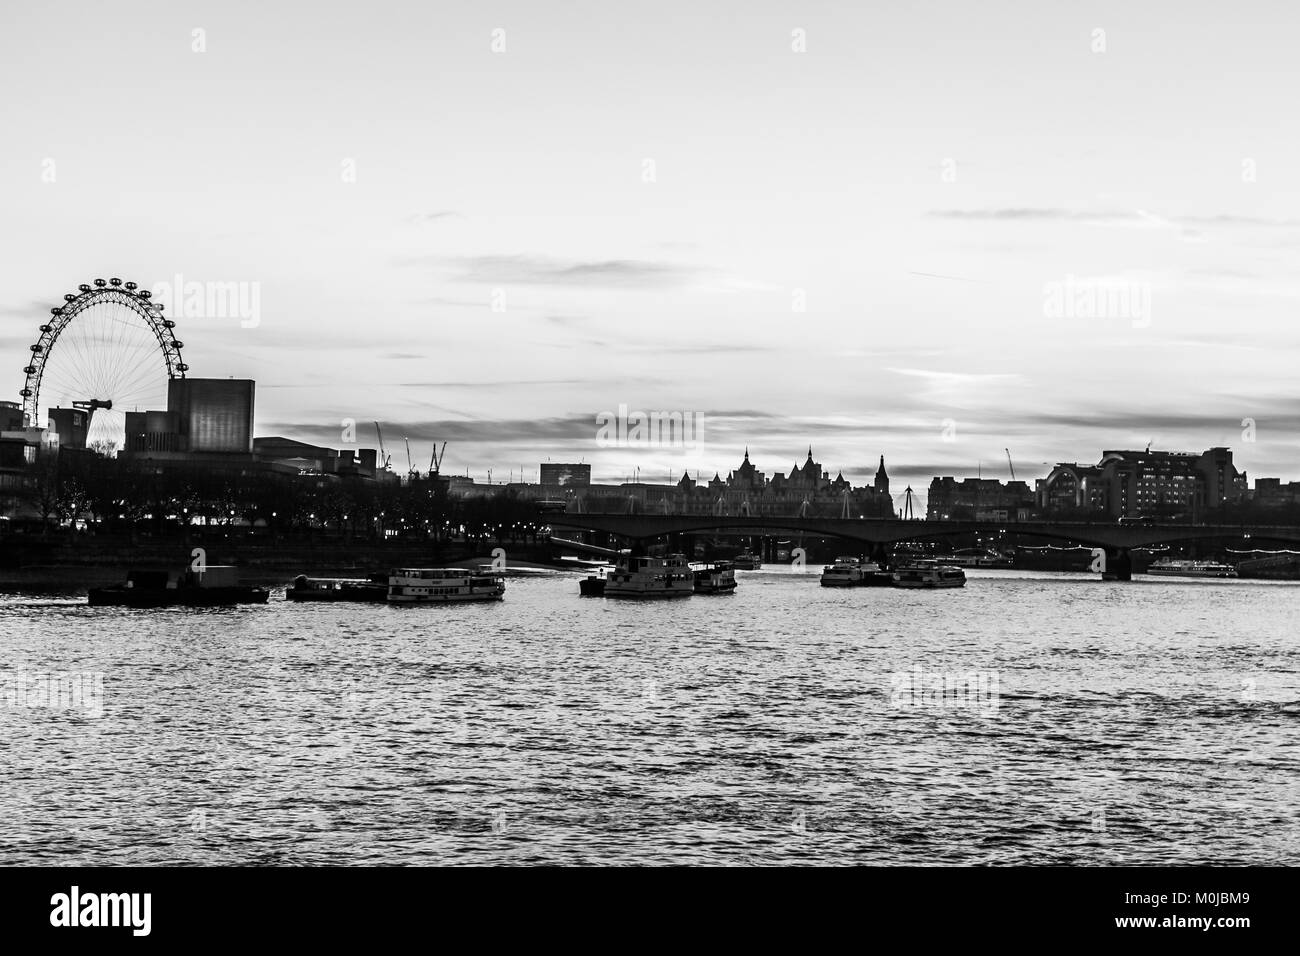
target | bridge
x=879, y=535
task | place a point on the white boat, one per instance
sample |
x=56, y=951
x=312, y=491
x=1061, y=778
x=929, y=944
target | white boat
x=714, y=578
x=1171, y=567
x=443, y=586
x=928, y=574
x=649, y=577
x=846, y=572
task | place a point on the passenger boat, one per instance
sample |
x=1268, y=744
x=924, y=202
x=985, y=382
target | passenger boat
x=443, y=586
x=928, y=574
x=337, y=589
x=746, y=561
x=714, y=578
x=650, y=577
x=214, y=586
x=846, y=572
x=1171, y=567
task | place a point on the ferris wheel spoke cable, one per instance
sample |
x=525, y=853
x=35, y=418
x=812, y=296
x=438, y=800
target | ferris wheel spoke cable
x=107, y=350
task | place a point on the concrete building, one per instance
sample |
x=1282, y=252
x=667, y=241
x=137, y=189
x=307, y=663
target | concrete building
x=213, y=414
x=71, y=425
x=1145, y=483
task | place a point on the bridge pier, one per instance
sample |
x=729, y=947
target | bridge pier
x=1118, y=566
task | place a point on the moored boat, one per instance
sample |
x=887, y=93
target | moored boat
x=746, y=561
x=928, y=574
x=643, y=576
x=443, y=586
x=336, y=589
x=1172, y=567
x=213, y=586
x=714, y=578
x=846, y=572
x=593, y=585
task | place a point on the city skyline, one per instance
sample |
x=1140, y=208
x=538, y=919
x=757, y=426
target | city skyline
x=796, y=225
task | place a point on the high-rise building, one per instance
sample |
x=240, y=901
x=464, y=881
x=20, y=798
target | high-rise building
x=213, y=414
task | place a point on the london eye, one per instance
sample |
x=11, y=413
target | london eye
x=108, y=350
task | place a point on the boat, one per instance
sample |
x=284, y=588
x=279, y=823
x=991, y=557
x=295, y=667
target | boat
x=986, y=559
x=1172, y=567
x=337, y=589
x=649, y=577
x=443, y=586
x=846, y=572
x=746, y=561
x=928, y=574
x=214, y=586
x=714, y=577
x=593, y=585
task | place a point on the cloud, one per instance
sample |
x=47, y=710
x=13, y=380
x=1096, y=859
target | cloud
x=425, y=217
x=1137, y=218
x=34, y=310
x=1033, y=214
x=541, y=270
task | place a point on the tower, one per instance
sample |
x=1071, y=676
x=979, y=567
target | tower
x=881, y=483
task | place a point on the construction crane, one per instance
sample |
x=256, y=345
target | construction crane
x=435, y=460
x=386, y=458
x=1009, y=465
x=410, y=468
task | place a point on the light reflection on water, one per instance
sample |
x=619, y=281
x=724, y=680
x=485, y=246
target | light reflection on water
x=1151, y=722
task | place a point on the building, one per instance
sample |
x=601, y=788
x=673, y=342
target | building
x=311, y=459
x=152, y=431
x=560, y=477
x=1145, y=483
x=71, y=425
x=212, y=414
x=1272, y=493
x=808, y=489
x=979, y=499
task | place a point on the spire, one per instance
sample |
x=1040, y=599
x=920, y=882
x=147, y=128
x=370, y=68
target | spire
x=746, y=453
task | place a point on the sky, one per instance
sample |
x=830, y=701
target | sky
x=930, y=231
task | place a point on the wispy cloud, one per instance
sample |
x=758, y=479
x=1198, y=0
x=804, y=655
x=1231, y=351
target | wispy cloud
x=541, y=270
x=426, y=217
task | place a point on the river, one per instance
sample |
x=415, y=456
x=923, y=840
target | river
x=1087, y=723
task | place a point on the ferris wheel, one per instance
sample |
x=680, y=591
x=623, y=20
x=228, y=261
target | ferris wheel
x=115, y=353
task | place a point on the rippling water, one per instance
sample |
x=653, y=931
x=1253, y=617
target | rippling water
x=1151, y=722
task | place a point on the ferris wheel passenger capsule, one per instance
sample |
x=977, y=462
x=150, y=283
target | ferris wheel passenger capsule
x=83, y=287
x=101, y=283
x=114, y=281
x=130, y=285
